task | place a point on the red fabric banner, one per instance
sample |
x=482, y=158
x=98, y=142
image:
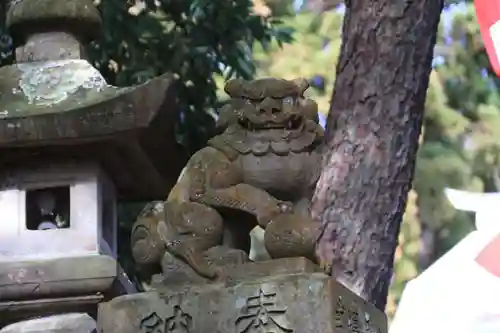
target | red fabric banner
x=489, y=257
x=488, y=17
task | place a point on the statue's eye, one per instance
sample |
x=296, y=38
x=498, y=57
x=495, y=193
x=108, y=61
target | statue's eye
x=248, y=101
x=289, y=100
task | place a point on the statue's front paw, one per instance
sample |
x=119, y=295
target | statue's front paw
x=269, y=213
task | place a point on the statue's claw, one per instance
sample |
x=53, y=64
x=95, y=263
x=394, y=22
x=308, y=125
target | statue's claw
x=285, y=207
x=281, y=207
x=325, y=266
x=194, y=259
x=205, y=270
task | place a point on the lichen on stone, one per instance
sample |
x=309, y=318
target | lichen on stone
x=52, y=82
x=52, y=87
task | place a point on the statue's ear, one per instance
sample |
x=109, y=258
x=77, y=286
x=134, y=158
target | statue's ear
x=310, y=110
x=234, y=88
x=302, y=85
x=227, y=116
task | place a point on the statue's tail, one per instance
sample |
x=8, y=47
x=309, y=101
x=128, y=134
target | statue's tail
x=146, y=243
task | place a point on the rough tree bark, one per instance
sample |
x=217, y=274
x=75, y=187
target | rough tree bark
x=372, y=139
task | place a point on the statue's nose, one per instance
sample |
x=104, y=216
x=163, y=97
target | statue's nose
x=270, y=106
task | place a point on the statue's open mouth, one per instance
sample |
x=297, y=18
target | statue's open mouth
x=293, y=122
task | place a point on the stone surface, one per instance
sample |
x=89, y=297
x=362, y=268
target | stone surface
x=70, y=322
x=48, y=14
x=288, y=302
x=14, y=312
x=56, y=111
x=262, y=269
x=56, y=105
x=178, y=273
x=57, y=277
x=50, y=46
x=91, y=194
x=233, y=267
x=59, y=86
x=260, y=170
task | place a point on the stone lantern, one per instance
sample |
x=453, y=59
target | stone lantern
x=71, y=146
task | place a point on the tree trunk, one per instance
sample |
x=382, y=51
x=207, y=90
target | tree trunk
x=372, y=139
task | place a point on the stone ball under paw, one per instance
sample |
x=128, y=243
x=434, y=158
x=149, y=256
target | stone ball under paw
x=291, y=235
x=146, y=244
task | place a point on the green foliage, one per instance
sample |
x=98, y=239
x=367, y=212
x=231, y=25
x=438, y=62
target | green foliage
x=280, y=7
x=5, y=40
x=197, y=40
x=407, y=253
x=472, y=89
x=314, y=53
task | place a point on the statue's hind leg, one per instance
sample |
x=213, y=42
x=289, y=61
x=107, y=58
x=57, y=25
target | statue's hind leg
x=190, y=229
x=185, y=251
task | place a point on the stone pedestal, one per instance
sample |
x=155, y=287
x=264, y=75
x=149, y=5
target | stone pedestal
x=56, y=278
x=298, y=299
x=33, y=289
x=65, y=323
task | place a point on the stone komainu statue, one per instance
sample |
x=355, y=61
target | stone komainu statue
x=261, y=170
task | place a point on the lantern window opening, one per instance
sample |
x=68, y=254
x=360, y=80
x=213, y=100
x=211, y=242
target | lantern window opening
x=48, y=208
